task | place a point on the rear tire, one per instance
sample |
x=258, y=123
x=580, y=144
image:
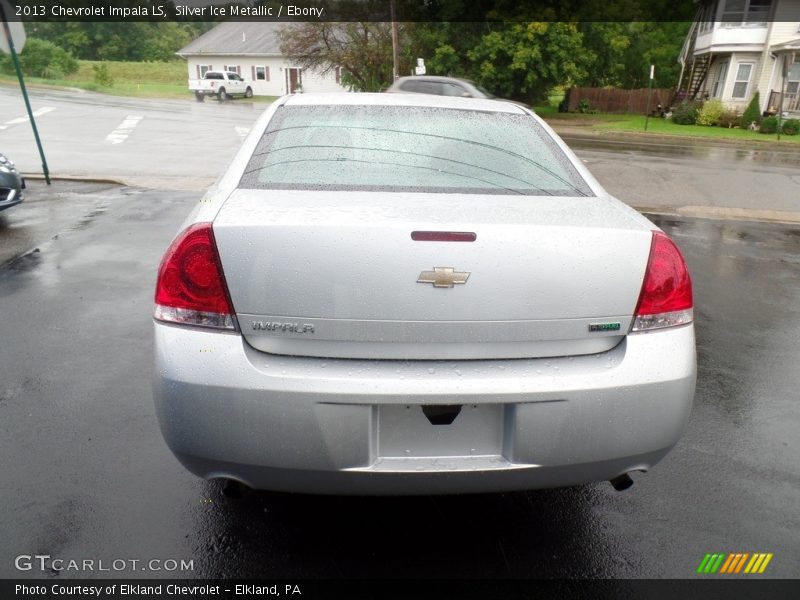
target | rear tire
x=248, y=93
x=222, y=95
x=200, y=97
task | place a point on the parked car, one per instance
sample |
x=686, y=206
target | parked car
x=438, y=86
x=406, y=294
x=443, y=86
x=222, y=84
x=12, y=184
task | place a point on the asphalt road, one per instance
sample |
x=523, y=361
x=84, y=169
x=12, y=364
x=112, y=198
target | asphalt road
x=177, y=144
x=185, y=145
x=87, y=476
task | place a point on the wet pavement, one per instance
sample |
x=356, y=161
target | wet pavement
x=696, y=178
x=87, y=475
x=186, y=145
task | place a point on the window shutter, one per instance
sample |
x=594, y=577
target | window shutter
x=266, y=73
x=198, y=72
x=252, y=72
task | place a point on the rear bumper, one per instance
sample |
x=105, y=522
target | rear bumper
x=357, y=427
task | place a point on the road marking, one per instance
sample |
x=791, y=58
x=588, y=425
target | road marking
x=37, y=113
x=121, y=133
x=242, y=131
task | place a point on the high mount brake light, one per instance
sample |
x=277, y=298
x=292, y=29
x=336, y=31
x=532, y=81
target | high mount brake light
x=666, y=296
x=190, y=289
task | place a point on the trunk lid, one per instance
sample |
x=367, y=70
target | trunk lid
x=336, y=274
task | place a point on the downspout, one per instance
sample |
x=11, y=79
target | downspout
x=765, y=54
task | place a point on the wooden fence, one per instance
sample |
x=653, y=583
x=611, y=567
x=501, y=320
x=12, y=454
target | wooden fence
x=610, y=100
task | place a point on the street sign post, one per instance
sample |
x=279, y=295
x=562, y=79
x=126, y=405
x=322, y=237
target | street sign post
x=12, y=36
x=649, y=95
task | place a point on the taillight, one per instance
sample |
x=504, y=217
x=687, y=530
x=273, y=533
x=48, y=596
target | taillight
x=190, y=289
x=666, y=296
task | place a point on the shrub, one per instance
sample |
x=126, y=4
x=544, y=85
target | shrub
x=791, y=127
x=751, y=113
x=101, y=75
x=41, y=58
x=729, y=119
x=686, y=113
x=769, y=125
x=711, y=112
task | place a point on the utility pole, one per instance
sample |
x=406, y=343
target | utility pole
x=5, y=10
x=784, y=73
x=393, y=17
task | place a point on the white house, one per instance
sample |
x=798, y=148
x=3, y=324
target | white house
x=736, y=47
x=252, y=49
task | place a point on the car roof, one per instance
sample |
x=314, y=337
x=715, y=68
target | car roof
x=440, y=78
x=418, y=100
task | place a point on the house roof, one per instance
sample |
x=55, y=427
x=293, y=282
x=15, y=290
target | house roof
x=786, y=46
x=237, y=38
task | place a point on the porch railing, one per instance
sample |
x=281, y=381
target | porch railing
x=791, y=102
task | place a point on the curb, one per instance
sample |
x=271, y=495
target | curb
x=718, y=213
x=586, y=133
x=74, y=179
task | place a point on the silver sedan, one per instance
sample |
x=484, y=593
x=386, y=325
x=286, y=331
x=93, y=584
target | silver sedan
x=412, y=294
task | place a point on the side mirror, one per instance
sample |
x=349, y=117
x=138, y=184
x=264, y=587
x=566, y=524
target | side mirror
x=466, y=95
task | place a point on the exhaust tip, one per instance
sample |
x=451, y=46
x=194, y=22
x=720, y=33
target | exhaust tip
x=233, y=489
x=621, y=482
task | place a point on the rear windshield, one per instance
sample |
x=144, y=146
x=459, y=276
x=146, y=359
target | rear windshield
x=416, y=149
x=212, y=75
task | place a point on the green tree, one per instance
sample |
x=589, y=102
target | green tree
x=605, y=46
x=119, y=41
x=363, y=50
x=620, y=53
x=524, y=61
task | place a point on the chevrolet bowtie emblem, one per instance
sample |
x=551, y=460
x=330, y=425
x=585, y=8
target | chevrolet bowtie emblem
x=443, y=277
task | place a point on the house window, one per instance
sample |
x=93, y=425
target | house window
x=233, y=68
x=793, y=80
x=719, y=80
x=201, y=70
x=742, y=80
x=706, y=18
x=746, y=12
x=262, y=73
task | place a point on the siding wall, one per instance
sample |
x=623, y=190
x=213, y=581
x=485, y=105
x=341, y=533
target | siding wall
x=277, y=84
x=753, y=58
x=787, y=22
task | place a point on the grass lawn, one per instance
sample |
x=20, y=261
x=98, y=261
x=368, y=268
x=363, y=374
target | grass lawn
x=136, y=79
x=601, y=123
x=666, y=127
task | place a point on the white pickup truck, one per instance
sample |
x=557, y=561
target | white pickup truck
x=222, y=84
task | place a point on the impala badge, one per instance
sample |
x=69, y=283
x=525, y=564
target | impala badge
x=443, y=277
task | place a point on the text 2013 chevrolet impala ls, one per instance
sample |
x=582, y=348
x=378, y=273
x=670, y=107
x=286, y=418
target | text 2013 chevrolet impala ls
x=411, y=294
